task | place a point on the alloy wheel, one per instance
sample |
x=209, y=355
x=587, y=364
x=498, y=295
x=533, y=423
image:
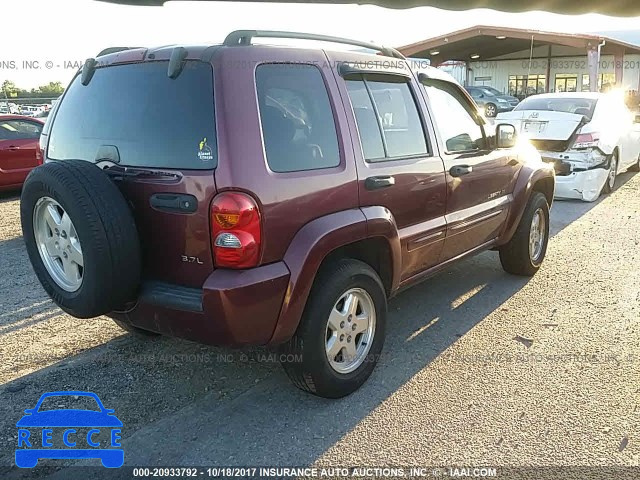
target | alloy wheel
x=537, y=235
x=58, y=244
x=350, y=330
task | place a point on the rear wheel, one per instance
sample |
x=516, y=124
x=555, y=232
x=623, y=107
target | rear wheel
x=636, y=166
x=341, y=333
x=490, y=110
x=610, y=184
x=526, y=250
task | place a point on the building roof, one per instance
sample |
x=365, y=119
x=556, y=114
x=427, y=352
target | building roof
x=491, y=42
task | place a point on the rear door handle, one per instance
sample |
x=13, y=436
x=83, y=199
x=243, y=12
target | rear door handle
x=459, y=170
x=375, y=183
x=13, y=148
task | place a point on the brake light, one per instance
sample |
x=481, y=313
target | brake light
x=40, y=149
x=586, y=140
x=235, y=230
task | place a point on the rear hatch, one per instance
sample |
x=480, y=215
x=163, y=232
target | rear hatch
x=547, y=130
x=156, y=136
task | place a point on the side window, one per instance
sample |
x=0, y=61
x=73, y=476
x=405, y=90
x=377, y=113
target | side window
x=387, y=117
x=297, y=121
x=454, y=121
x=367, y=120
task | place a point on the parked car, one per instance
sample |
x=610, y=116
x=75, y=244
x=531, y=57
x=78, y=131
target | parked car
x=492, y=101
x=19, y=152
x=286, y=220
x=589, y=137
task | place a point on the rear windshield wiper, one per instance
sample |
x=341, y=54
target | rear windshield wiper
x=119, y=171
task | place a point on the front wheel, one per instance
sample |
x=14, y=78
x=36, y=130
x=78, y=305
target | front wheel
x=526, y=250
x=490, y=110
x=341, y=333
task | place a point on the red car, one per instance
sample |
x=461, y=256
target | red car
x=282, y=212
x=19, y=152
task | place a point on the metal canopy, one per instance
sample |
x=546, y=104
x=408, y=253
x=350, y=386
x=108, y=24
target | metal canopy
x=628, y=8
x=491, y=42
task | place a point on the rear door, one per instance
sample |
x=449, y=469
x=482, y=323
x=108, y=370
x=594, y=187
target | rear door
x=480, y=178
x=395, y=162
x=157, y=134
x=18, y=147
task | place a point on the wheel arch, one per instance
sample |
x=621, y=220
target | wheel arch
x=531, y=179
x=368, y=234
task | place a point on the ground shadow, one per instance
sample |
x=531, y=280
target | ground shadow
x=188, y=404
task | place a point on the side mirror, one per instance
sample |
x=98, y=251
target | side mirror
x=506, y=136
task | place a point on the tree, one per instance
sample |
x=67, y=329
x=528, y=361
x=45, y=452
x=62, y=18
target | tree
x=53, y=89
x=9, y=89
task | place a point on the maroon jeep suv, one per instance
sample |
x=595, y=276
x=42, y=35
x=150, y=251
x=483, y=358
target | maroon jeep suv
x=244, y=194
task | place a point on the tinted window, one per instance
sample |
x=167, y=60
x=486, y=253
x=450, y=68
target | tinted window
x=366, y=119
x=581, y=106
x=458, y=129
x=151, y=119
x=388, y=121
x=297, y=121
x=18, y=129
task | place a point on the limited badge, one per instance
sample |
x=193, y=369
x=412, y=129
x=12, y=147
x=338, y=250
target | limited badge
x=204, y=152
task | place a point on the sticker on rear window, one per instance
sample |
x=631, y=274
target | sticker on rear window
x=204, y=152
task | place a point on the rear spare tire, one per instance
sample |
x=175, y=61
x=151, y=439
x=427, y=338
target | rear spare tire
x=81, y=237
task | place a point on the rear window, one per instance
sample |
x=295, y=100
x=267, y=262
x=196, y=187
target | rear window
x=580, y=106
x=151, y=119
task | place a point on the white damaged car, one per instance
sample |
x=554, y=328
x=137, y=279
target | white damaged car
x=590, y=138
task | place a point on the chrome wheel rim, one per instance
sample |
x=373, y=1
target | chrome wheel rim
x=537, y=235
x=350, y=330
x=58, y=244
x=491, y=111
x=612, y=171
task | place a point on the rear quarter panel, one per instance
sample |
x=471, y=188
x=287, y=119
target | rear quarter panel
x=287, y=201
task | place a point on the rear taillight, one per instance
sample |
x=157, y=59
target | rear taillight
x=235, y=230
x=586, y=140
x=40, y=150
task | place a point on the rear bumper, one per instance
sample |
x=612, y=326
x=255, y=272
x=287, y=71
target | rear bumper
x=234, y=307
x=585, y=185
x=573, y=181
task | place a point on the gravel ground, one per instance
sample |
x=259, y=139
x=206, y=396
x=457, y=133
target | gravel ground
x=479, y=367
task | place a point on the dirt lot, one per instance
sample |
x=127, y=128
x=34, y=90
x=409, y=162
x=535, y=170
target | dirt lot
x=479, y=368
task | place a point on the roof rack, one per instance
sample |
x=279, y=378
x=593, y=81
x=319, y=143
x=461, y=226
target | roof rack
x=244, y=37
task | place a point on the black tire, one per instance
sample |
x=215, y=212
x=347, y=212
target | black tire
x=515, y=256
x=491, y=110
x=636, y=166
x=609, y=186
x=105, y=227
x=138, y=332
x=304, y=358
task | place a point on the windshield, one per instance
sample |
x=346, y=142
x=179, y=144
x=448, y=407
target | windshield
x=579, y=106
x=141, y=116
x=490, y=91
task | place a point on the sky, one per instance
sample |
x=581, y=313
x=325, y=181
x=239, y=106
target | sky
x=64, y=33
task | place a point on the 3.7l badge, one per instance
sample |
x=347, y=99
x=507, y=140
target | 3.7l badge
x=188, y=259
